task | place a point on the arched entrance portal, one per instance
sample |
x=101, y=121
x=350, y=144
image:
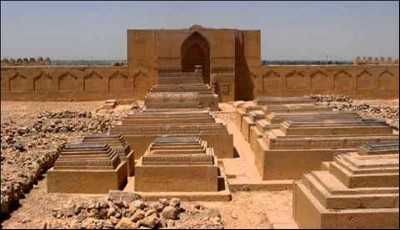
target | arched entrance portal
x=195, y=51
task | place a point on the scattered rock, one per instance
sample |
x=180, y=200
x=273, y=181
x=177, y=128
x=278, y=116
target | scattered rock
x=157, y=206
x=150, y=212
x=175, y=202
x=138, y=215
x=114, y=220
x=170, y=223
x=20, y=146
x=126, y=223
x=151, y=221
x=139, y=204
x=170, y=213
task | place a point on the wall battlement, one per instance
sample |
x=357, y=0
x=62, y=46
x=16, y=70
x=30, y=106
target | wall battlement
x=375, y=61
x=40, y=61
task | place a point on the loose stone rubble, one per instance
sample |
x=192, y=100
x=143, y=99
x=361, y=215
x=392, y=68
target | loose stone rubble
x=131, y=212
x=29, y=150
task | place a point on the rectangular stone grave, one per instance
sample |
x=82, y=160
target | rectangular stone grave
x=87, y=168
x=294, y=108
x=118, y=143
x=140, y=136
x=379, y=148
x=244, y=110
x=273, y=120
x=358, y=191
x=288, y=157
x=335, y=127
x=283, y=100
x=179, y=170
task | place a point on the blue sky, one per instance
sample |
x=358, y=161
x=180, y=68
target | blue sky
x=289, y=30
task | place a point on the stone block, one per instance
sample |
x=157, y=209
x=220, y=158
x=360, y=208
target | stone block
x=87, y=168
x=362, y=193
x=118, y=143
x=179, y=170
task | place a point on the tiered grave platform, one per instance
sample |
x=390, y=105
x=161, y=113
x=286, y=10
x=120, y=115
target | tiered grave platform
x=250, y=112
x=359, y=190
x=118, y=143
x=87, y=168
x=177, y=164
x=273, y=120
x=181, y=90
x=291, y=139
x=300, y=146
x=141, y=128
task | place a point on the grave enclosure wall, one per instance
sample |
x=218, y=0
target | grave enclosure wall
x=79, y=83
x=363, y=82
x=40, y=83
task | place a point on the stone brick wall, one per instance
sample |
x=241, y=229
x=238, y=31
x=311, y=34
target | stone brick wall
x=64, y=83
x=72, y=83
x=359, y=81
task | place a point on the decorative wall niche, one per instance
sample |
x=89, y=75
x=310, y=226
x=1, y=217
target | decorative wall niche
x=296, y=80
x=43, y=82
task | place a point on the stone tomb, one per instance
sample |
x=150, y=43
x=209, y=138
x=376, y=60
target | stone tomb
x=246, y=106
x=261, y=107
x=177, y=164
x=141, y=128
x=359, y=190
x=249, y=119
x=283, y=100
x=148, y=118
x=87, y=168
x=118, y=143
x=335, y=127
x=300, y=146
x=379, y=148
x=181, y=90
x=273, y=120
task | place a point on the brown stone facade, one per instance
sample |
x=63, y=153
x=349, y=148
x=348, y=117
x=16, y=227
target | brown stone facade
x=231, y=62
x=229, y=56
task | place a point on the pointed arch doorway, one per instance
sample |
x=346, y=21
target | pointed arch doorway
x=196, y=51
